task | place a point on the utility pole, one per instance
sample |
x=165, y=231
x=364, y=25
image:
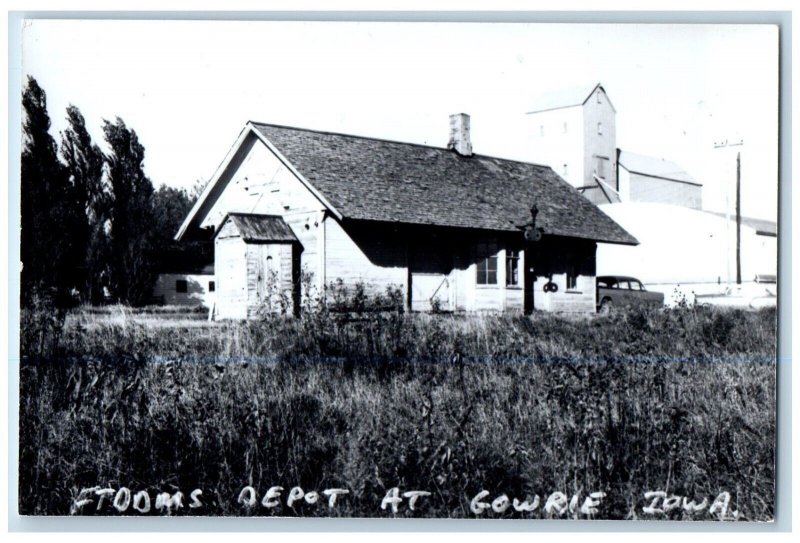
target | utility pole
x=721, y=145
x=738, y=218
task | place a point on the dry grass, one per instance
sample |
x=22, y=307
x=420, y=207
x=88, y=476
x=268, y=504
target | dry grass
x=680, y=400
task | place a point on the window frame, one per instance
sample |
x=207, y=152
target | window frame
x=573, y=271
x=513, y=258
x=572, y=278
x=482, y=266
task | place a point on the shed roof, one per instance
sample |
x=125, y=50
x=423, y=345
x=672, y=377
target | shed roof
x=373, y=179
x=762, y=227
x=258, y=228
x=654, y=167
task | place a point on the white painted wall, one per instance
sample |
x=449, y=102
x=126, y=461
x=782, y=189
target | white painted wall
x=644, y=188
x=598, y=110
x=550, y=144
x=261, y=183
x=681, y=246
x=197, y=292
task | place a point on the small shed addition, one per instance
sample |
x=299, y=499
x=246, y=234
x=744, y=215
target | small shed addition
x=256, y=266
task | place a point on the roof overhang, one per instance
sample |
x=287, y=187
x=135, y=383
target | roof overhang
x=258, y=228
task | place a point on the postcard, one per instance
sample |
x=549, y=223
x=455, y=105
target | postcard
x=398, y=270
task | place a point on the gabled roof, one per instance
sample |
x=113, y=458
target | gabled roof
x=654, y=167
x=257, y=228
x=569, y=97
x=378, y=180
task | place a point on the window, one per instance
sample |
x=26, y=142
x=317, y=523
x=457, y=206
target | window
x=565, y=169
x=487, y=270
x=573, y=270
x=512, y=268
x=565, y=127
x=600, y=166
x=599, y=97
x=572, y=277
x=212, y=286
x=181, y=286
x=541, y=130
x=599, y=129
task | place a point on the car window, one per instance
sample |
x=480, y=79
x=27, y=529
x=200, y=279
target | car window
x=639, y=285
x=602, y=283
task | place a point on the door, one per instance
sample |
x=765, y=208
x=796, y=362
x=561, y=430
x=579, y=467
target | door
x=528, y=278
x=272, y=274
x=431, y=278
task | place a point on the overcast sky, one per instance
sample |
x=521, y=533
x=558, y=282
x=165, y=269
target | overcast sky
x=187, y=88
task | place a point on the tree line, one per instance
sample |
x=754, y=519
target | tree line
x=94, y=228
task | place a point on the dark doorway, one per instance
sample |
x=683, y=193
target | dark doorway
x=528, y=278
x=430, y=273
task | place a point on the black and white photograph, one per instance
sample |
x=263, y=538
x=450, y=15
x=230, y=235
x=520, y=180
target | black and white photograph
x=398, y=270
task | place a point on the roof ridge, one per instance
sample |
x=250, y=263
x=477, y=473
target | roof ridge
x=245, y=213
x=569, y=101
x=385, y=140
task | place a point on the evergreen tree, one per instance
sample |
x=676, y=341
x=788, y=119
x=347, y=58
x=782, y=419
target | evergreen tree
x=132, y=270
x=90, y=202
x=45, y=240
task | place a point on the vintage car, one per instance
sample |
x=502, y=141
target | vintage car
x=619, y=290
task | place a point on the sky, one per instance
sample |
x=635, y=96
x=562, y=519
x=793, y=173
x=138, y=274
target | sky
x=188, y=87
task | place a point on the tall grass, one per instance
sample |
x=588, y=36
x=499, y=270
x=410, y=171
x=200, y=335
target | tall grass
x=680, y=400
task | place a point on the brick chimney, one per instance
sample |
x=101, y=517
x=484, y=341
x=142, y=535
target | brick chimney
x=459, y=134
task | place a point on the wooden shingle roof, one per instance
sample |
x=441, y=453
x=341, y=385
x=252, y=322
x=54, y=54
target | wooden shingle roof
x=261, y=228
x=372, y=179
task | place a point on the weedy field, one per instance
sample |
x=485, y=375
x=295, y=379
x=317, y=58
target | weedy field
x=679, y=400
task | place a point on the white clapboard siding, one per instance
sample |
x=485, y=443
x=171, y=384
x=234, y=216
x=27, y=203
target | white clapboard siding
x=258, y=182
x=347, y=261
x=231, y=273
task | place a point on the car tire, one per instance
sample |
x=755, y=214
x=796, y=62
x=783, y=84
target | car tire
x=606, y=306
